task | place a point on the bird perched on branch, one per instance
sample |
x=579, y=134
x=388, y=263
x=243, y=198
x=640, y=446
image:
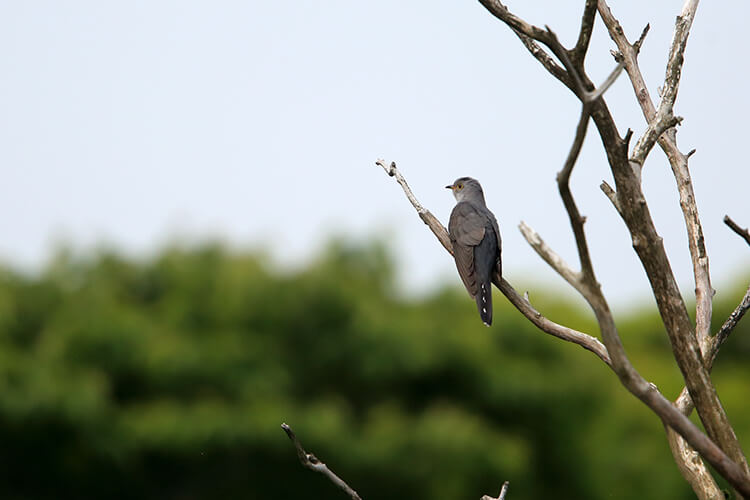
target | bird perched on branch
x=476, y=243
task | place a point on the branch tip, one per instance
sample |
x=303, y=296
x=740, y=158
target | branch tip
x=742, y=232
x=501, y=496
x=628, y=136
x=637, y=45
x=312, y=462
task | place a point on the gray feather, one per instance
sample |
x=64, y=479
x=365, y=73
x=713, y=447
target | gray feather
x=475, y=236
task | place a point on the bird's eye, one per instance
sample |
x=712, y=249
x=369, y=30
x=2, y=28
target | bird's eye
x=460, y=186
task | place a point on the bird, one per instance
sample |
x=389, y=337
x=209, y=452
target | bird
x=475, y=236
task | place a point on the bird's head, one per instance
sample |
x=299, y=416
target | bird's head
x=466, y=188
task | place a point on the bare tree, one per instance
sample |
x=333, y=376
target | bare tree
x=693, y=345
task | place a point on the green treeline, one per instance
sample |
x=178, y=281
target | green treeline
x=169, y=379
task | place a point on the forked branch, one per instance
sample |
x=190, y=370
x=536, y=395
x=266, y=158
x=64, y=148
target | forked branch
x=685, y=343
x=645, y=391
x=647, y=243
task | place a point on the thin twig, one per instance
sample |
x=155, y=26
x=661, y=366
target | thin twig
x=712, y=346
x=545, y=59
x=563, y=184
x=311, y=462
x=676, y=57
x=424, y=214
x=664, y=118
x=744, y=233
x=501, y=496
x=606, y=84
x=611, y=194
x=584, y=34
x=728, y=326
x=628, y=55
x=525, y=31
x=551, y=257
x=638, y=43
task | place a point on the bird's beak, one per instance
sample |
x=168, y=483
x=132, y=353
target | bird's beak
x=449, y=187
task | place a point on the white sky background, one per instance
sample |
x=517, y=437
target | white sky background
x=134, y=123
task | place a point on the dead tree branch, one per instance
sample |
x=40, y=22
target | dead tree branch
x=650, y=250
x=687, y=459
x=728, y=326
x=628, y=198
x=584, y=34
x=709, y=407
x=311, y=462
x=646, y=392
x=501, y=496
x=522, y=304
x=744, y=233
x=576, y=220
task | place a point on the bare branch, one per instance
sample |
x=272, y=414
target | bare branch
x=523, y=29
x=692, y=468
x=711, y=347
x=639, y=43
x=500, y=11
x=574, y=278
x=573, y=75
x=424, y=214
x=744, y=233
x=501, y=496
x=728, y=326
x=684, y=339
x=628, y=54
x=660, y=121
x=649, y=247
x=311, y=462
x=584, y=34
x=563, y=184
x=632, y=380
x=550, y=327
x=576, y=72
x=632, y=206
x=647, y=141
x=676, y=57
x=545, y=59
x=606, y=84
x=664, y=118
x=521, y=303
x=611, y=194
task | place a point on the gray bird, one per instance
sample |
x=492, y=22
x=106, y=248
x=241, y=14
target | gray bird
x=476, y=243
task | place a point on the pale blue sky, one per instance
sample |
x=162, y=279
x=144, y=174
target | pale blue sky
x=132, y=123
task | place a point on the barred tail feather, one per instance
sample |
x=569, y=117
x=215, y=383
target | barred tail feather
x=484, y=302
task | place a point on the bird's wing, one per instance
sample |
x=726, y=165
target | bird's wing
x=467, y=225
x=466, y=228
x=496, y=228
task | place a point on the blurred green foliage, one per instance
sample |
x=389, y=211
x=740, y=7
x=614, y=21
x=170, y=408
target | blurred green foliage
x=169, y=379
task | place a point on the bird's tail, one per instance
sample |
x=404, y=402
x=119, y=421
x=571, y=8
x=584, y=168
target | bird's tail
x=484, y=302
